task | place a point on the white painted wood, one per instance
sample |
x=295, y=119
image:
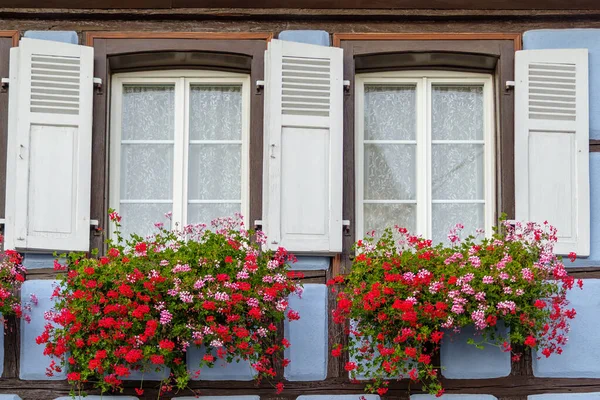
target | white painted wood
x=302, y=206
x=423, y=81
x=552, y=144
x=181, y=81
x=49, y=146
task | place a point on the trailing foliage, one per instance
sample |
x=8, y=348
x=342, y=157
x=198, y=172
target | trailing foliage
x=403, y=295
x=148, y=300
x=12, y=276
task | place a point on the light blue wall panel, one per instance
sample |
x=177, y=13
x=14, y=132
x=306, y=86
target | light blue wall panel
x=55, y=36
x=461, y=360
x=33, y=361
x=581, y=355
x=219, y=398
x=97, y=398
x=340, y=397
x=565, y=396
x=308, y=336
x=453, y=397
x=311, y=263
x=222, y=371
x=149, y=375
x=37, y=261
x=310, y=37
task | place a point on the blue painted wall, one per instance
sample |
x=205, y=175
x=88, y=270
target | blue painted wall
x=577, y=39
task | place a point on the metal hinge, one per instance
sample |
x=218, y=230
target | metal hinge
x=510, y=85
x=260, y=85
x=258, y=224
x=346, y=86
x=4, y=82
x=346, y=227
x=98, y=85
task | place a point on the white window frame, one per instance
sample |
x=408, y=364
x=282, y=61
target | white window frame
x=181, y=80
x=423, y=81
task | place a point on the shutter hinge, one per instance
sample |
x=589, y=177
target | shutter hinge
x=346, y=227
x=509, y=85
x=346, y=86
x=260, y=85
x=95, y=226
x=258, y=224
x=98, y=85
x=4, y=83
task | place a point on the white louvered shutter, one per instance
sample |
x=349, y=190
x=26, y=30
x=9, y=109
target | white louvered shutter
x=302, y=193
x=49, y=146
x=552, y=145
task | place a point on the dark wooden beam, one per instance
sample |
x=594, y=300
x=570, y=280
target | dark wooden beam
x=511, y=387
x=314, y=4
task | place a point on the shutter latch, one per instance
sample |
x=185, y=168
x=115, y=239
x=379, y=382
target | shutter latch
x=510, y=85
x=346, y=227
x=4, y=83
x=258, y=224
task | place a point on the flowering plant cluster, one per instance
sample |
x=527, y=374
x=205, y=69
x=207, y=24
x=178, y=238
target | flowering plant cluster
x=12, y=276
x=142, y=306
x=402, y=296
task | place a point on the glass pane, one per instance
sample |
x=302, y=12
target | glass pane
x=457, y=172
x=215, y=172
x=140, y=218
x=380, y=216
x=147, y=171
x=390, y=172
x=446, y=216
x=215, y=112
x=390, y=112
x=457, y=112
x=204, y=213
x=148, y=112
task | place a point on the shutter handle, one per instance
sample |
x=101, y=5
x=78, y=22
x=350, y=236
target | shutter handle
x=21, y=148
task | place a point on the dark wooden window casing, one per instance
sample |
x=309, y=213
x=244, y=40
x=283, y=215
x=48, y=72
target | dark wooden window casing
x=119, y=52
x=492, y=53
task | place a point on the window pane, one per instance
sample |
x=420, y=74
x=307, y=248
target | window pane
x=457, y=112
x=204, y=213
x=390, y=112
x=147, y=171
x=457, y=172
x=390, y=172
x=215, y=112
x=215, y=172
x=446, y=216
x=380, y=216
x=148, y=112
x=140, y=218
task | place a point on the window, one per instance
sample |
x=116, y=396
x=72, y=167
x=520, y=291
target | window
x=424, y=152
x=179, y=143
